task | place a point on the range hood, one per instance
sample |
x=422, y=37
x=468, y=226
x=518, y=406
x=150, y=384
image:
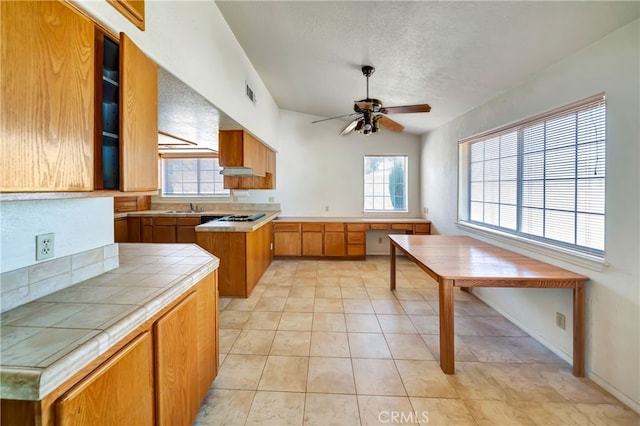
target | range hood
x=237, y=171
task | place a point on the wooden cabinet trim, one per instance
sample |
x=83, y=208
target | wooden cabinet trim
x=286, y=227
x=334, y=227
x=131, y=9
x=312, y=227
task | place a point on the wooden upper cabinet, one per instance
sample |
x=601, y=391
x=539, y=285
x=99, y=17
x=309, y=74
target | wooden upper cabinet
x=46, y=98
x=133, y=10
x=240, y=149
x=138, y=119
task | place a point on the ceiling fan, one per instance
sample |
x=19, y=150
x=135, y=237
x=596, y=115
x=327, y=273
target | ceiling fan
x=374, y=113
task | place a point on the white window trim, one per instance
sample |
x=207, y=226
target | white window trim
x=567, y=254
x=388, y=213
x=584, y=260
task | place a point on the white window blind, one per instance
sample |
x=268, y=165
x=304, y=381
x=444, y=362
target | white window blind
x=544, y=178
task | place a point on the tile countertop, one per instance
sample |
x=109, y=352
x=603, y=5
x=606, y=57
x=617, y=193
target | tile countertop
x=45, y=342
x=366, y=219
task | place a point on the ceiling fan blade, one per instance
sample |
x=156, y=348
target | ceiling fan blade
x=337, y=116
x=390, y=124
x=406, y=109
x=350, y=127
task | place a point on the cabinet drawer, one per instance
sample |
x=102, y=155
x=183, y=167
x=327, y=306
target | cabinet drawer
x=334, y=227
x=404, y=226
x=353, y=227
x=189, y=221
x=286, y=227
x=378, y=226
x=164, y=221
x=422, y=228
x=355, y=250
x=312, y=227
x=355, y=238
x=147, y=221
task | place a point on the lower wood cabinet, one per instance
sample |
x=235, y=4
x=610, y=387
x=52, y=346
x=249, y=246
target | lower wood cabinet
x=118, y=392
x=158, y=375
x=334, y=239
x=186, y=229
x=312, y=239
x=121, y=230
x=176, y=358
x=287, y=239
x=164, y=230
x=244, y=256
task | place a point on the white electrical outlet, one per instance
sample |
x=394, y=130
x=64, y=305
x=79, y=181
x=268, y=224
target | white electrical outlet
x=379, y=240
x=560, y=320
x=44, y=246
x=326, y=208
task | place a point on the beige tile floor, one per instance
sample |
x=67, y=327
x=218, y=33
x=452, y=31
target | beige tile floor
x=327, y=343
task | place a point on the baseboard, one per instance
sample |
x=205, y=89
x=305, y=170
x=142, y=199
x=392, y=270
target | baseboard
x=633, y=405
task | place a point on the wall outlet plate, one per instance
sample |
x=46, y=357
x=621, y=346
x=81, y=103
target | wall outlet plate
x=45, y=246
x=561, y=321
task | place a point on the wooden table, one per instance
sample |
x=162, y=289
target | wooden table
x=458, y=261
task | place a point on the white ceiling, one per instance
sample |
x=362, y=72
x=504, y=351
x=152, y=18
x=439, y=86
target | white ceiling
x=452, y=55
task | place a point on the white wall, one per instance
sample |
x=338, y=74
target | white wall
x=191, y=40
x=78, y=225
x=316, y=167
x=613, y=296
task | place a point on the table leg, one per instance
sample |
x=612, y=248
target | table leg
x=578, y=329
x=447, y=350
x=392, y=266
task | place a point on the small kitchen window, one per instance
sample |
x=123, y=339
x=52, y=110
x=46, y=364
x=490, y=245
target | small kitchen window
x=385, y=183
x=192, y=177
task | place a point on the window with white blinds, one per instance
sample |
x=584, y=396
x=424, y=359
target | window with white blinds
x=544, y=178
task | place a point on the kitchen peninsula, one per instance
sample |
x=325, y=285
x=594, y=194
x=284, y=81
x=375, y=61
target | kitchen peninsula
x=105, y=351
x=244, y=249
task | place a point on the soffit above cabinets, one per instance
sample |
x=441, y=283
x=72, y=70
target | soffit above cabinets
x=186, y=120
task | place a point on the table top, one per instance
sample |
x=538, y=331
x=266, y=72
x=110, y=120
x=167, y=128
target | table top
x=463, y=258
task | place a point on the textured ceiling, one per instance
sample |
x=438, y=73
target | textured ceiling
x=453, y=55
x=185, y=114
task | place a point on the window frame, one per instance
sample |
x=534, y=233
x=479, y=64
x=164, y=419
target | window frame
x=593, y=256
x=405, y=158
x=163, y=168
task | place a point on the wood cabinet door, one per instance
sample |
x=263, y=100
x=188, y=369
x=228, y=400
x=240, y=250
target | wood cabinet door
x=138, y=119
x=164, y=234
x=207, y=297
x=134, y=230
x=312, y=244
x=186, y=234
x=119, y=392
x=286, y=244
x=176, y=364
x=46, y=97
x=147, y=233
x=121, y=230
x=334, y=244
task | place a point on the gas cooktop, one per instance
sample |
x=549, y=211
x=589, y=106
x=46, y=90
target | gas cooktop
x=232, y=218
